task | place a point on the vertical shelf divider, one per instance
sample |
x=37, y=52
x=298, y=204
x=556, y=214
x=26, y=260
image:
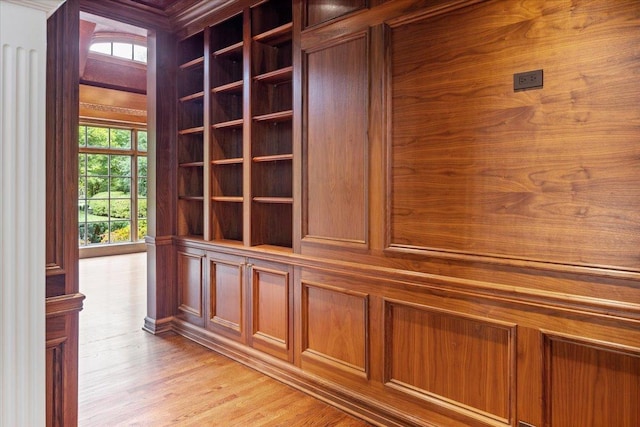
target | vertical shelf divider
x=247, y=208
x=206, y=138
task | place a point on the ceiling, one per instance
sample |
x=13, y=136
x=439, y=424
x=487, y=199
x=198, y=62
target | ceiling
x=162, y=7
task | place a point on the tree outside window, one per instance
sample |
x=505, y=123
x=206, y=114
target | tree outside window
x=112, y=185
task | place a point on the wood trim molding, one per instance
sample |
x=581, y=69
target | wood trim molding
x=126, y=13
x=347, y=400
x=64, y=304
x=570, y=303
x=157, y=326
x=47, y=6
x=158, y=240
x=388, y=12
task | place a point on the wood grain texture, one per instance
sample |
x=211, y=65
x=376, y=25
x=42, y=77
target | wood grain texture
x=544, y=175
x=190, y=285
x=320, y=11
x=591, y=385
x=335, y=324
x=442, y=355
x=226, y=294
x=61, y=252
x=271, y=301
x=168, y=380
x=336, y=141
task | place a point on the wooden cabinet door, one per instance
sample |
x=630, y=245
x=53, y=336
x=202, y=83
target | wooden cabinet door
x=226, y=308
x=190, y=285
x=271, y=308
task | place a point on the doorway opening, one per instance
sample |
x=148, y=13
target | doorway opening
x=112, y=143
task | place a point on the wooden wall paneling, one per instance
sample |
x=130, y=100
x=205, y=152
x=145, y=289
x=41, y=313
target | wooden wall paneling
x=378, y=138
x=335, y=329
x=226, y=297
x=451, y=359
x=62, y=359
x=64, y=302
x=321, y=11
x=190, y=285
x=62, y=164
x=478, y=168
x=161, y=223
x=379, y=12
x=271, y=308
x=127, y=13
x=296, y=105
x=529, y=366
x=336, y=148
x=590, y=383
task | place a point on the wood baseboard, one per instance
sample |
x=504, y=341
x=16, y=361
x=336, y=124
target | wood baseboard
x=157, y=326
x=361, y=406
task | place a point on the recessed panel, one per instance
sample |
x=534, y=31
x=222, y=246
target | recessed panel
x=190, y=283
x=226, y=295
x=548, y=174
x=589, y=385
x=335, y=325
x=270, y=306
x=451, y=358
x=337, y=149
x=320, y=11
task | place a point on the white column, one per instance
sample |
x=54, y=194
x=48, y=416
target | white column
x=23, y=55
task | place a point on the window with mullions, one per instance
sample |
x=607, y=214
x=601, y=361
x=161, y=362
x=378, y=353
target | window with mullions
x=112, y=185
x=131, y=51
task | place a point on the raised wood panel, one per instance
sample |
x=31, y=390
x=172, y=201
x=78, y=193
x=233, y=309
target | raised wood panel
x=54, y=383
x=271, y=320
x=319, y=11
x=543, y=174
x=190, y=284
x=336, y=142
x=591, y=384
x=451, y=359
x=61, y=190
x=334, y=327
x=226, y=294
x=63, y=302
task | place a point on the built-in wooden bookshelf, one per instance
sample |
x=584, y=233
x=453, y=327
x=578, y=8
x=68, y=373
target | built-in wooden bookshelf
x=227, y=122
x=191, y=136
x=235, y=160
x=271, y=133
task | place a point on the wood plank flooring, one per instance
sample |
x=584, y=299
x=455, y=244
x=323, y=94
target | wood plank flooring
x=131, y=378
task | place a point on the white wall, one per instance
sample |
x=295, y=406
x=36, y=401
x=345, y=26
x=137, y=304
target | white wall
x=23, y=55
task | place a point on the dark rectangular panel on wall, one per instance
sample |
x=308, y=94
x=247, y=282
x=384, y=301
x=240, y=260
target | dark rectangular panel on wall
x=451, y=357
x=548, y=174
x=336, y=146
x=591, y=385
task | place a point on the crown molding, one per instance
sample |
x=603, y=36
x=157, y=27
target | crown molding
x=47, y=6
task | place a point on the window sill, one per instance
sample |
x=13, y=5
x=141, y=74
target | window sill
x=113, y=249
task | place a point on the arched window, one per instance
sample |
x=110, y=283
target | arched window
x=125, y=46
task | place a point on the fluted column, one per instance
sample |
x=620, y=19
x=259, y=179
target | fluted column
x=23, y=55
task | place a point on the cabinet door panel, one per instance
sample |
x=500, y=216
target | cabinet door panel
x=190, y=287
x=226, y=310
x=271, y=316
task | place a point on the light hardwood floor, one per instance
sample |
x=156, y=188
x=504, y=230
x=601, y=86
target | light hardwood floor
x=131, y=378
